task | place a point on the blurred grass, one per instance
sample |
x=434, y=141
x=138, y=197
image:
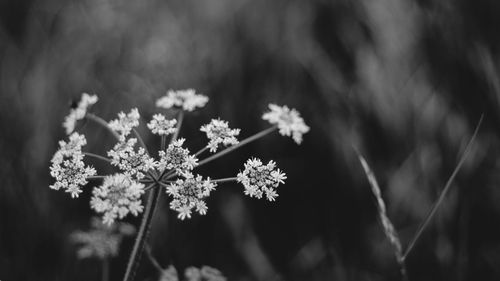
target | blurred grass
x=404, y=80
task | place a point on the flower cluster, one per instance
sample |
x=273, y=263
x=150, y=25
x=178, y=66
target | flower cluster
x=172, y=166
x=288, y=121
x=259, y=179
x=68, y=168
x=159, y=125
x=101, y=241
x=188, y=193
x=125, y=123
x=186, y=99
x=218, y=132
x=205, y=273
x=118, y=196
x=78, y=112
x=131, y=162
x=177, y=158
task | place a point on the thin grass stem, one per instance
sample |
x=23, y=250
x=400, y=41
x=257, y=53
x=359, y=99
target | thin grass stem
x=152, y=259
x=224, y=180
x=441, y=197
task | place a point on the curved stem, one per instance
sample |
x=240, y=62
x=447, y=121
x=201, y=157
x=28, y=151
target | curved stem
x=143, y=234
x=240, y=144
x=97, y=156
x=101, y=122
x=436, y=205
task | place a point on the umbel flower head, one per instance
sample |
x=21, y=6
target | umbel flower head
x=205, y=273
x=188, y=194
x=259, y=179
x=118, y=196
x=125, y=123
x=78, y=112
x=176, y=157
x=185, y=99
x=68, y=168
x=159, y=125
x=101, y=241
x=131, y=162
x=288, y=121
x=218, y=132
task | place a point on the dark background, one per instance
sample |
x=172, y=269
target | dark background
x=403, y=81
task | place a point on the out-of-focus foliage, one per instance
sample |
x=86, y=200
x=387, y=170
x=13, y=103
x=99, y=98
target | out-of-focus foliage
x=403, y=81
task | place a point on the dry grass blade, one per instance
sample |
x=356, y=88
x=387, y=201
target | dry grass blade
x=389, y=230
x=436, y=205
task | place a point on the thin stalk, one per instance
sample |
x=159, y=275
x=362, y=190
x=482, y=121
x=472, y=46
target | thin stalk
x=143, y=234
x=441, y=197
x=97, y=156
x=141, y=141
x=101, y=122
x=163, y=142
x=95, y=177
x=201, y=151
x=224, y=180
x=105, y=270
x=152, y=259
x=180, y=118
x=240, y=144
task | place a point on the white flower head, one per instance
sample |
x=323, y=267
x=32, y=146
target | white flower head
x=288, y=121
x=132, y=162
x=186, y=99
x=189, y=193
x=176, y=157
x=101, y=241
x=259, y=179
x=125, y=123
x=78, y=112
x=218, y=132
x=68, y=168
x=159, y=125
x=118, y=196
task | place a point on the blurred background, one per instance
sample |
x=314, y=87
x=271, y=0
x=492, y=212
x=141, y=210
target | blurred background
x=403, y=81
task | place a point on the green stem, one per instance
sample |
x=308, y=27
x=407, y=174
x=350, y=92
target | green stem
x=97, y=156
x=143, y=233
x=101, y=122
x=240, y=144
x=436, y=205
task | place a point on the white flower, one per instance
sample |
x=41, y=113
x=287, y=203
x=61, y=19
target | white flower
x=186, y=99
x=161, y=126
x=188, y=194
x=78, y=112
x=118, y=196
x=176, y=157
x=288, y=121
x=68, y=168
x=218, y=132
x=101, y=241
x=125, y=123
x=205, y=273
x=131, y=162
x=259, y=179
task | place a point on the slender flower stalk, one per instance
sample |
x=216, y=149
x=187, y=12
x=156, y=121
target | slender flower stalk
x=152, y=259
x=180, y=118
x=102, y=122
x=141, y=141
x=201, y=151
x=224, y=180
x=240, y=144
x=97, y=156
x=96, y=177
